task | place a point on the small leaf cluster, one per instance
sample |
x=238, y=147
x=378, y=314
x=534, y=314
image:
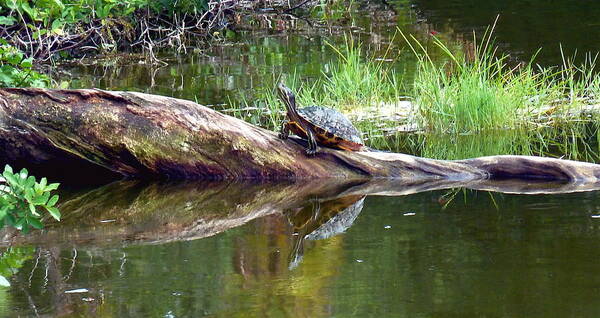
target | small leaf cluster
x=20, y=198
x=16, y=70
x=54, y=15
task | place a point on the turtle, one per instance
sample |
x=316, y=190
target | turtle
x=318, y=125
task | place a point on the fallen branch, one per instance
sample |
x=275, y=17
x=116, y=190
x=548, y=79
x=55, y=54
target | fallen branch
x=147, y=136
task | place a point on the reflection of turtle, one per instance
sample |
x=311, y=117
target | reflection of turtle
x=322, y=220
x=318, y=124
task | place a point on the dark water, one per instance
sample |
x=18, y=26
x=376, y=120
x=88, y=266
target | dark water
x=195, y=250
x=524, y=26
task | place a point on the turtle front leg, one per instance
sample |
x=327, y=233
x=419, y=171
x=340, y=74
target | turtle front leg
x=312, y=143
x=285, y=130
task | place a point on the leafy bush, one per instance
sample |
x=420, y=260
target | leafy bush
x=16, y=70
x=56, y=14
x=20, y=197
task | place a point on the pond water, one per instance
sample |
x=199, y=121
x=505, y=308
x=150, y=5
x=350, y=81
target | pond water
x=191, y=250
x=304, y=250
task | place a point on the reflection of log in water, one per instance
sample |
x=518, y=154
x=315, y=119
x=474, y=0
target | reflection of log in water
x=130, y=212
x=321, y=219
x=135, y=213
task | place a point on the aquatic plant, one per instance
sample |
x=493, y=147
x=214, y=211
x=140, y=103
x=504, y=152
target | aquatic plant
x=21, y=196
x=456, y=93
x=356, y=85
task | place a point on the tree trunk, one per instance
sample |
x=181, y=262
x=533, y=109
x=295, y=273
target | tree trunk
x=86, y=132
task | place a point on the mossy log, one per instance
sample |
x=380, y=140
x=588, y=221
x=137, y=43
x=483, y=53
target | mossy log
x=148, y=136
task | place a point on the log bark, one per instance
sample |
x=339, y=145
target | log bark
x=139, y=135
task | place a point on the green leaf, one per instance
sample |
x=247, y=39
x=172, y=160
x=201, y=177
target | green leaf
x=23, y=173
x=35, y=223
x=29, y=194
x=11, y=4
x=54, y=212
x=19, y=223
x=40, y=199
x=27, y=63
x=29, y=10
x=52, y=186
x=7, y=20
x=4, y=282
x=32, y=208
x=14, y=58
x=10, y=219
x=52, y=201
x=57, y=27
x=10, y=178
x=30, y=182
x=43, y=183
x=4, y=211
x=39, y=33
x=8, y=168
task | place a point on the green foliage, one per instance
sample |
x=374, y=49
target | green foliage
x=46, y=29
x=478, y=91
x=20, y=197
x=53, y=15
x=16, y=70
x=11, y=260
x=468, y=93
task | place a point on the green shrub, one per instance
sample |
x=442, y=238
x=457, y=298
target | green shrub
x=20, y=197
x=17, y=71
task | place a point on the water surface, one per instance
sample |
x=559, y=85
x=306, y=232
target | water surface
x=251, y=250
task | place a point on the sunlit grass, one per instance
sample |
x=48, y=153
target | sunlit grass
x=356, y=82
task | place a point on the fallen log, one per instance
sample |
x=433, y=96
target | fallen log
x=138, y=135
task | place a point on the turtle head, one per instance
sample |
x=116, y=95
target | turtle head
x=288, y=98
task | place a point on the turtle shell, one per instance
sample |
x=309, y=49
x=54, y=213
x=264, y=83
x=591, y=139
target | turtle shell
x=331, y=126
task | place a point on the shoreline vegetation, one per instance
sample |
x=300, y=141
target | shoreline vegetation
x=51, y=30
x=460, y=102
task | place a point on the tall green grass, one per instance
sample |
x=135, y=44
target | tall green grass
x=470, y=92
x=357, y=82
x=479, y=90
x=468, y=103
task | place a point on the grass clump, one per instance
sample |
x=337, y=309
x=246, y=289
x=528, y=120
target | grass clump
x=479, y=90
x=356, y=82
x=469, y=103
x=470, y=92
